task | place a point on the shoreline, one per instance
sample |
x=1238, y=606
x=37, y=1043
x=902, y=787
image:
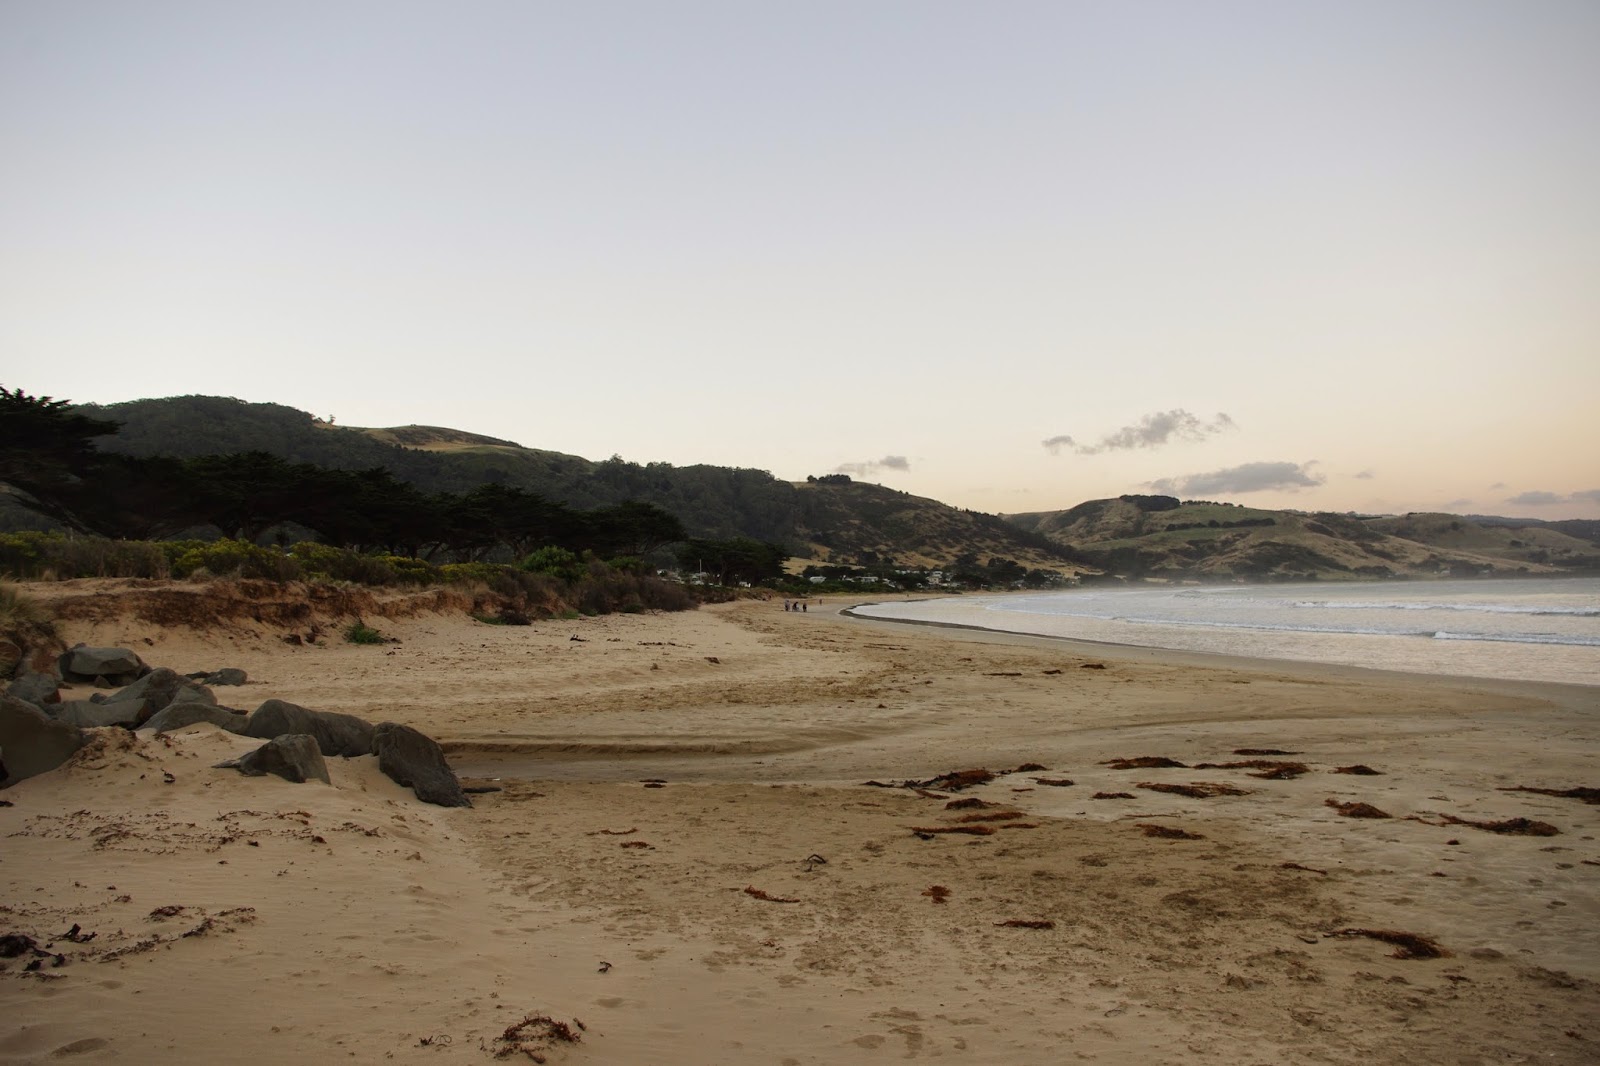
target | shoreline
x=1334, y=648
x=1567, y=693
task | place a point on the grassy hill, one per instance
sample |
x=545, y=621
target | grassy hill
x=1157, y=536
x=832, y=520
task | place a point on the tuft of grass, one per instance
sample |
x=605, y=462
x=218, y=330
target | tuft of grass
x=17, y=609
x=361, y=633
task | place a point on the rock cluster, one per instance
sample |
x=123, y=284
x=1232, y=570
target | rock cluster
x=39, y=730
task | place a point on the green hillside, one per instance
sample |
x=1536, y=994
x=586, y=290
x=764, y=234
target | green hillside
x=833, y=519
x=1161, y=537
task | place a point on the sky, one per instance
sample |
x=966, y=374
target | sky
x=1011, y=256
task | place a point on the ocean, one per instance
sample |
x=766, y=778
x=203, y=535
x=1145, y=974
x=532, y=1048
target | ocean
x=1525, y=629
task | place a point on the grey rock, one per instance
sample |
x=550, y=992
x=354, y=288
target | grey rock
x=34, y=742
x=177, y=715
x=228, y=675
x=336, y=734
x=37, y=689
x=415, y=760
x=162, y=687
x=85, y=714
x=118, y=666
x=293, y=756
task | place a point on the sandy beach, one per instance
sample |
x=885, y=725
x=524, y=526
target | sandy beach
x=685, y=863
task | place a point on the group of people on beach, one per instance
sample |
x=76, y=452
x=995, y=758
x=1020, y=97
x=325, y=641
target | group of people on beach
x=795, y=605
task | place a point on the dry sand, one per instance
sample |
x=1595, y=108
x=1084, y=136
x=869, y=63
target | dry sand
x=354, y=923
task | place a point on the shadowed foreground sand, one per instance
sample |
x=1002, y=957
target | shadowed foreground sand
x=762, y=905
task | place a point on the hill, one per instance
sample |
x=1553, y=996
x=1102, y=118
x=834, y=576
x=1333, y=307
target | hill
x=833, y=519
x=1159, y=536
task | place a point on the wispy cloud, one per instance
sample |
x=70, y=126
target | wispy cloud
x=872, y=466
x=1248, y=477
x=1151, y=431
x=1364, y=475
x=1540, y=498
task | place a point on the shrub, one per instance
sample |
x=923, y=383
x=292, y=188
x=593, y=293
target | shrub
x=238, y=558
x=360, y=633
x=555, y=562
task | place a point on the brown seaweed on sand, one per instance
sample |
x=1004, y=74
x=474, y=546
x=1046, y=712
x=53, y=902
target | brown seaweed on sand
x=993, y=816
x=1582, y=792
x=1195, y=790
x=1166, y=832
x=967, y=804
x=1406, y=945
x=1361, y=769
x=970, y=830
x=1055, y=782
x=1263, y=751
x=1515, y=826
x=752, y=890
x=956, y=780
x=1356, y=810
x=1112, y=796
x=1270, y=769
x=1144, y=762
x=1297, y=866
x=1026, y=923
x=938, y=893
x=535, y=1034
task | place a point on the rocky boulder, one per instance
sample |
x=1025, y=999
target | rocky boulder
x=228, y=675
x=37, y=689
x=86, y=714
x=336, y=734
x=116, y=666
x=33, y=742
x=416, y=761
x=159, y=689
x=177, y=715
x=293, y=757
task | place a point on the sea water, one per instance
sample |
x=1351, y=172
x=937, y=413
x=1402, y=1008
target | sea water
x=1537, y=629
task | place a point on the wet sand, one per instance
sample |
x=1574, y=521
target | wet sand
x=658, y=916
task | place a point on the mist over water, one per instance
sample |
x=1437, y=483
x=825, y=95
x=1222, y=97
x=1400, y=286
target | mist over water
x=1524, y=629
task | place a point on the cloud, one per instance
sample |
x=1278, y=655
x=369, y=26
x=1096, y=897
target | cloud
x=1462, y=502
x=1536, y=498
x=1365, y=475
x=1151, y=431
x=872, y=466
x=1248, y=477
x=1497, y=486
x=1586, y=496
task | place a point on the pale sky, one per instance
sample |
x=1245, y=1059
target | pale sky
x=1010, y=255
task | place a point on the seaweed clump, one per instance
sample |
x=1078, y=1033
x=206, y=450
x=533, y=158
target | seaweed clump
x=1145, y=762
x=535, y=1034
x=1196, y=790
x=1270, y=769
x=1514, y=826
x=1582, y=792
x=1407, y=945
x=1357, y=810
x=1166, y=832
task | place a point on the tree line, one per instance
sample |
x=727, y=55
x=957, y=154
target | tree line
x=47, y=455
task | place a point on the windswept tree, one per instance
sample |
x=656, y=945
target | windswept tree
x=46, y=452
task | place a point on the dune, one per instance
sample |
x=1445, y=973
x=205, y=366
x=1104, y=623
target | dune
x=684, y=862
